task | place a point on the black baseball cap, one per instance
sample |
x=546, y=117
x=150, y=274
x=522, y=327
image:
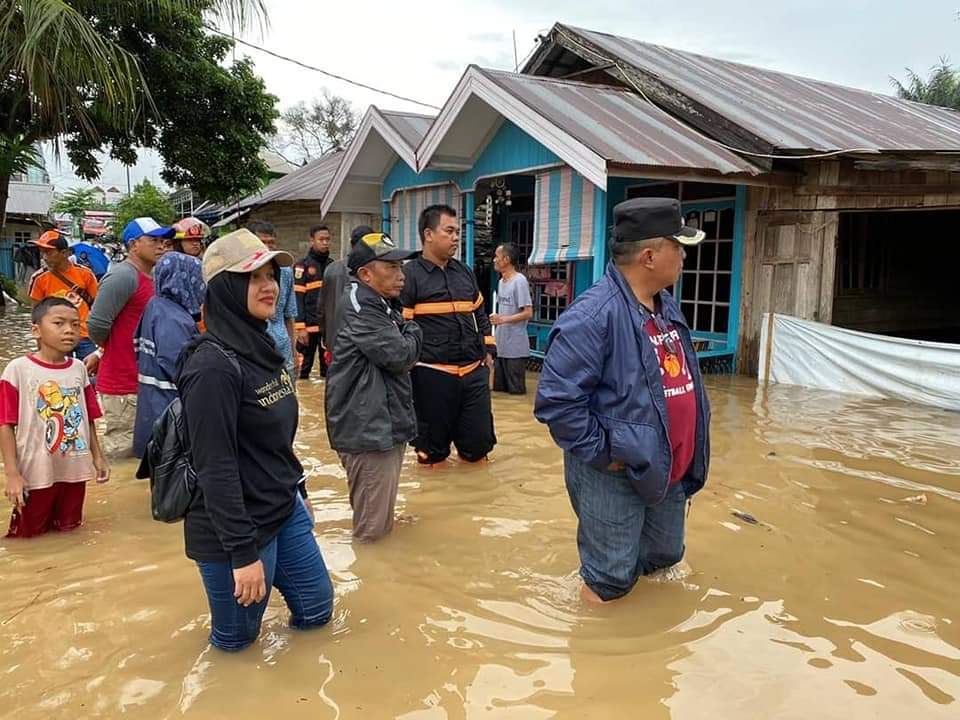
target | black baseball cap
x=645, y=218
x=375, y=246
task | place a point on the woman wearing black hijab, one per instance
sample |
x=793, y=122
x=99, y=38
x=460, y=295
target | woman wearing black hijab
x=248, y=528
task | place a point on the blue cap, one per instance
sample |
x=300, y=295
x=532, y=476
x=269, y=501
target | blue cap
x=139, y=227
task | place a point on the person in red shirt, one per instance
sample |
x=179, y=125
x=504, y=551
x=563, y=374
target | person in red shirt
x=124, y=293
x=62, y=278
x=48, y=438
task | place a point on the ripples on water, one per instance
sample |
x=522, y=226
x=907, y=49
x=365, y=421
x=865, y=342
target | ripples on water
x=838, y=602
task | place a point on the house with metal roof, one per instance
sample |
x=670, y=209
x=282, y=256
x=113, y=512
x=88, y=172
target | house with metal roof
x=294, y=202
x=806, y=189
x=27, y=216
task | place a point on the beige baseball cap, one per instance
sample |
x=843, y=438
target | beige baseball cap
x=241, y=252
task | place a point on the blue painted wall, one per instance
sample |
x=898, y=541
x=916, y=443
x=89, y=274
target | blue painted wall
x=510, y=150
x=402, y=176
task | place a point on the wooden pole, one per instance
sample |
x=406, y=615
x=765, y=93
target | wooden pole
x=769, y=350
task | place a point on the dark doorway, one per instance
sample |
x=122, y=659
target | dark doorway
x=896, y=274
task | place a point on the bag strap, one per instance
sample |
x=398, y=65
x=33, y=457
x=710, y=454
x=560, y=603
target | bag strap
x=74, y=288
x=227, y=353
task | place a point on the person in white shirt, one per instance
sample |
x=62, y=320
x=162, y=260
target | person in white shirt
x=514, y=310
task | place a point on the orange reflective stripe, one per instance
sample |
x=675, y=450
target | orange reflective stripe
x=312, y=328
x=299, y=326
x=299, y=288
x=489, y=340
x=445, y=308
x=453, y=369
x=408, y=313
x=315, y=285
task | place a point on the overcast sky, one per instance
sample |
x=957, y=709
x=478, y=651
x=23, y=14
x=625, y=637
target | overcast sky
x=419, y=48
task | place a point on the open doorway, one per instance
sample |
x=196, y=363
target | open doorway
x=896, y=274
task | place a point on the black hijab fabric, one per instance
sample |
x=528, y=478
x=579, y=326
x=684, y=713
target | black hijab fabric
x=230, y=323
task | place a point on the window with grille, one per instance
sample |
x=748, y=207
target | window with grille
x=22, y=236
x=704, y=287
x=550, y=288
x=521, y=236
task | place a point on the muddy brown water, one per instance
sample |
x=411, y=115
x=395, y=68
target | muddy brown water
x=840, y=601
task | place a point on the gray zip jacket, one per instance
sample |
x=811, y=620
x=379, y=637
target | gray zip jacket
x=369, y=398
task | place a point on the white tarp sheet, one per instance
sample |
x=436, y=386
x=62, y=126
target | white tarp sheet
x=831, y=358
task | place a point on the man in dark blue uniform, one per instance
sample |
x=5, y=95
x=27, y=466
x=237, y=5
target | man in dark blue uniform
x=451, y=387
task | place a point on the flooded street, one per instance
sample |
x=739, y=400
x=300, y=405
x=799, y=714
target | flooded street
x=825, y=577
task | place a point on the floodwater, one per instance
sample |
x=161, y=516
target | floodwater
x=824, y=584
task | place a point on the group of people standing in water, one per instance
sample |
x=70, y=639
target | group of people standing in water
x=407, y=349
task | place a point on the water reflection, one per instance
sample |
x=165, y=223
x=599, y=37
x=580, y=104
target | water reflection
x=823, y=584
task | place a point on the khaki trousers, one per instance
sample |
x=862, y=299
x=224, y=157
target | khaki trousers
x=119, y=417
x=373, y=478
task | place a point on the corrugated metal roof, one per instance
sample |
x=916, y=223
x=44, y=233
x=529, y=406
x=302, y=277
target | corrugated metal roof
x=788, y=111
x=309, y=182
x=410, y=126
x=618, y=125
x=29, y=199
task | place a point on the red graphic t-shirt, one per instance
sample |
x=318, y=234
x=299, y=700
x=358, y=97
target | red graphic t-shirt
x=679, y=392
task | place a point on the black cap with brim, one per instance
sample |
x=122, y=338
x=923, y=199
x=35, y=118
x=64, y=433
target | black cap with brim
x=645, y=218
x=376, y=246
x=358, y=232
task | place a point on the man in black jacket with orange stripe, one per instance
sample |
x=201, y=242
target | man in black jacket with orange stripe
x=308, y=285
x=451, y=390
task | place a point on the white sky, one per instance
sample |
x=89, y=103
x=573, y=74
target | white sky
x=419, y=48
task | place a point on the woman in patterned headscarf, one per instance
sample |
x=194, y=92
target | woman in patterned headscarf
x=168, y=324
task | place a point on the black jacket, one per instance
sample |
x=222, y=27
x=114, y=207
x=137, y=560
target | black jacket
x=335, y=280
x=308, y=286
x=369, y=398
x=448, y=306
x=240, y=429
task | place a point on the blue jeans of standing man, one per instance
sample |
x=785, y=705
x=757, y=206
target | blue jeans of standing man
x=292, y=563
x=618, y=537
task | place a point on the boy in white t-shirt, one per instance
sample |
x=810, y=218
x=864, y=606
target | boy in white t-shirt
x=47, y=434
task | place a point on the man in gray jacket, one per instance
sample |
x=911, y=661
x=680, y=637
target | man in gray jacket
x=335, y=279
x=369, y=398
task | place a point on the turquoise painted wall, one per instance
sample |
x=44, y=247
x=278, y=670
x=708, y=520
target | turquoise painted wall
x=510, y=150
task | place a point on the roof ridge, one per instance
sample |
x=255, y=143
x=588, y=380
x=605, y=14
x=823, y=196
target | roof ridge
x=405, y=114
x=739, y=64
x=556, y=81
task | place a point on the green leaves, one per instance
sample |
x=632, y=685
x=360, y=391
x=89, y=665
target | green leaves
x=941, y=88
x=146, y=200
x=17, y=155
x=52, y=58
x=118, y=75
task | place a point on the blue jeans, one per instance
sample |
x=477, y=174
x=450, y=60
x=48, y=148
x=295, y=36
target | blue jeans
x=618, y=537
x=85, y=347
x=292, y=563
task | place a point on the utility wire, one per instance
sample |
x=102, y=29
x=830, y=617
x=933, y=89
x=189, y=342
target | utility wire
x=319, y=70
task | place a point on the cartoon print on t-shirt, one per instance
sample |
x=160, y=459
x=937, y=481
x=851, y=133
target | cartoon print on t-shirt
x=62, y=411
x=671, y=365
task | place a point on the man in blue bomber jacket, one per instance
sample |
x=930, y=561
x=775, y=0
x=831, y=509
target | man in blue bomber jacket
x=622, y=395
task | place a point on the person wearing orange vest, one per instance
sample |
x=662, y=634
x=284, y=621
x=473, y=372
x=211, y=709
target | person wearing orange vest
x=62, y=278
x=451, y=388
x=308, y=284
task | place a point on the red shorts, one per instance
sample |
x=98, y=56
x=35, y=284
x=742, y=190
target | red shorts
x=59, y=507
